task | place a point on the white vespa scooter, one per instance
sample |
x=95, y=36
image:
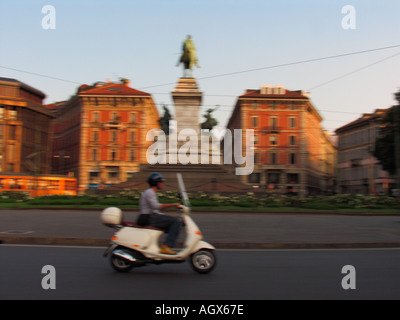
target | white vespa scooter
x=135, y=246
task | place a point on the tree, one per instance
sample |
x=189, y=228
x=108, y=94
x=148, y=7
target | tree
x=164, y=120
x=210, y=121
x=385, y=145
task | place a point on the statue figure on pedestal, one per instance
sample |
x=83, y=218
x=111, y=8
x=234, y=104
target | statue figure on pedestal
x=188, y=57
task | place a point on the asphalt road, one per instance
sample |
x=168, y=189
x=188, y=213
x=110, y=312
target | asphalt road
x=223, y=230
x=83, y=273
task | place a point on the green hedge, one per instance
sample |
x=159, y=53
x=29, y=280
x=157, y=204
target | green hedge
x=201, y=199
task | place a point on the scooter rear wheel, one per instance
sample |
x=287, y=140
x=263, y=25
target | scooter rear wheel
x=203, y=261
x=119, y=264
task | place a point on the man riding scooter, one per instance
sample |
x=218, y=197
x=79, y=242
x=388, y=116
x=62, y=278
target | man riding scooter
x=150, y=213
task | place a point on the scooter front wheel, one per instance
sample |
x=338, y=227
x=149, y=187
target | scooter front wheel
x=203, y=261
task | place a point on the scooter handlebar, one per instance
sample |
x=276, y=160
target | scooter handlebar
x=185, y=210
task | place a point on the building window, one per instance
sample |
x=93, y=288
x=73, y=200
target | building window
x=292, y=158
x=132, y=136
x=273, y=158
x=13, y=114
x=292, y=178
x=96, y=116
x=113, y=155
x=113, y=136
x=131, y=155
x=94, y=175
x=132, y=117
x=254, y=122
x=274, y=123
x=273, y=178
x=113, y=174
x=292, y=140
x=12, y=134
x=255, y=139
x=114, y=116
x=254, y=177
x=94, y=155
x=256, y=158
x=11, y=152
x=292, y=122
x=95, y=137
x=273, y=140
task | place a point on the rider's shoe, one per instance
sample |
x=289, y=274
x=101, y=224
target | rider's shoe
x=166, y=250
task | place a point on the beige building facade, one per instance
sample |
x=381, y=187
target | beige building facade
x=358, y=170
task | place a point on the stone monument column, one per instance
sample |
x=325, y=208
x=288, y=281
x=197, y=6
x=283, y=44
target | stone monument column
x=187, y=100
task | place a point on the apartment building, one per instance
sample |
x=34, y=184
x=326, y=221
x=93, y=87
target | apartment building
x=292, y=153
x=358, y=170
x=25, y=129
x=100, y=133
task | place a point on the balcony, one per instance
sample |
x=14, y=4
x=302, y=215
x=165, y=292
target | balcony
x=271, y=129
x=356, y=163
x=112, y=124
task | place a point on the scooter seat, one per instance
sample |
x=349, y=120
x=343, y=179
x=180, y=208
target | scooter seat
x=135, y=225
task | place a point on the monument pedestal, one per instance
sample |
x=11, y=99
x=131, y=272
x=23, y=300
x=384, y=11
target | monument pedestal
x=201, y=175
x=187, y=101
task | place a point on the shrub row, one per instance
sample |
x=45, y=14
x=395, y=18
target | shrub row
x=201, y=199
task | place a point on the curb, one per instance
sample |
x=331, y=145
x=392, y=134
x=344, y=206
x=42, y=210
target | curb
x=222, y=245
x=228, y=212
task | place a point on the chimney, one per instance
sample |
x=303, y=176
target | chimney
x=279, y=90
x=306, y=94
x=266, y=89
x=126, y=82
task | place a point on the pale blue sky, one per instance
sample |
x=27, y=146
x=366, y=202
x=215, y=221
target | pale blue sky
x=141, y=40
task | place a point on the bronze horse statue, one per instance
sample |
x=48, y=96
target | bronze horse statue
x=188, y=57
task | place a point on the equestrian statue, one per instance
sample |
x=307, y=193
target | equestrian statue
x=188, y=57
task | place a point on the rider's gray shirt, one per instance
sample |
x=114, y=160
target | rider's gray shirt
x=149, y=202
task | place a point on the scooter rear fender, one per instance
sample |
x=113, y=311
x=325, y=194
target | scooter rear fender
x=110, y=249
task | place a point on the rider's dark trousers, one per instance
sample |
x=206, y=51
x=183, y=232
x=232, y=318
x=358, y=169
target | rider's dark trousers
x=171, y=224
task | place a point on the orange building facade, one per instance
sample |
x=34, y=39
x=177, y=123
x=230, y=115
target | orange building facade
x=100, y=134
x=292, y=153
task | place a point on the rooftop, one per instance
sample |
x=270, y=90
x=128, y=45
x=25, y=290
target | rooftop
x=24, y=86
x=108, y=88
x=363, y=120
x=277, y=92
